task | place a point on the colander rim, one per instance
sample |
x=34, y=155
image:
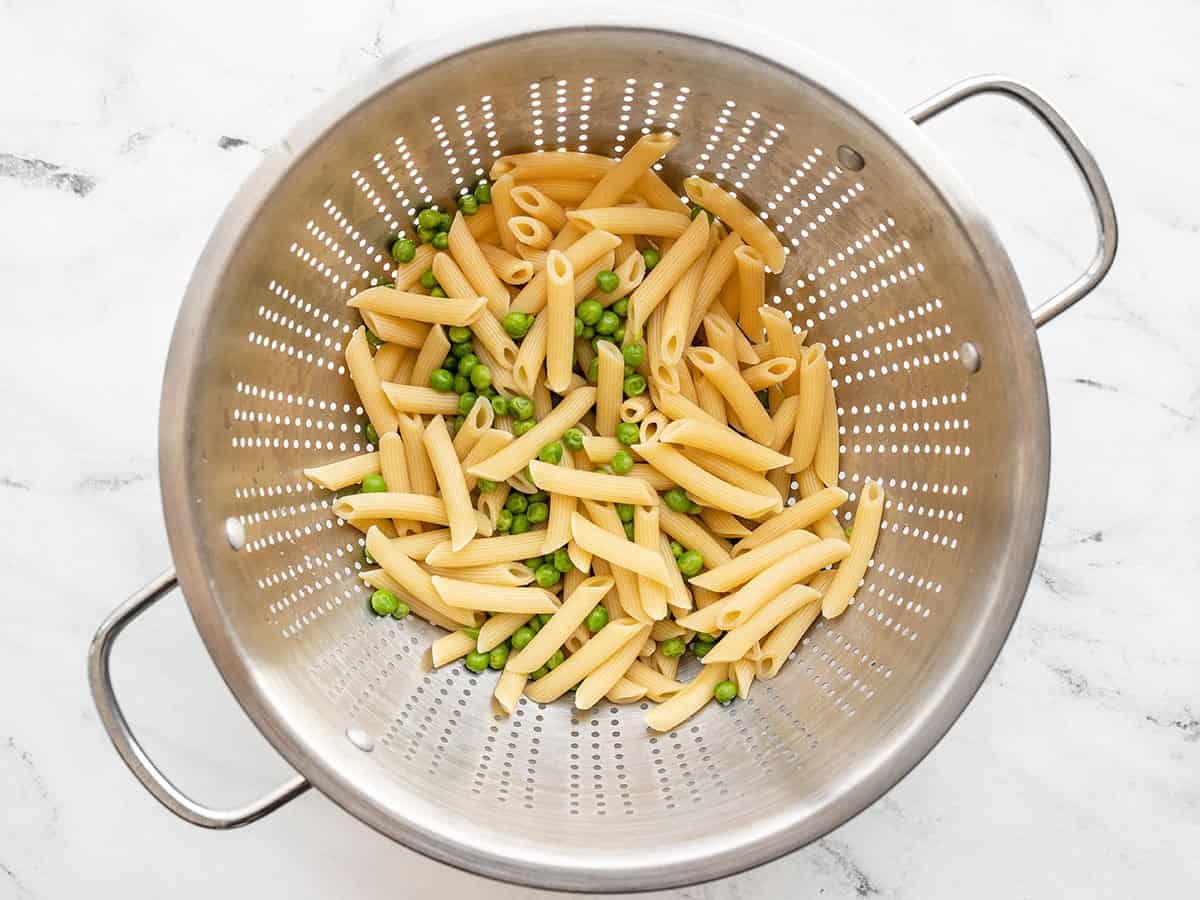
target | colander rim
x=768, y=839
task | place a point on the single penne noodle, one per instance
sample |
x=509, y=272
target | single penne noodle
x=504, y=209
x=508, y=268
x=741, y=344
x=634, y=409
x=419, y=307
x=800, y=514
x=720, y=522
x=653, y=594
x=654, y=287
x=409, y=398
x=553, y=634
x=531, y=232
x=679, y=596
x=414, y=580
x=489, y=443
x=658, y=194
x=509, y=688
x=681, y=300
x=474, y=265
x=718, y=334
x=366, y=381
x=497, y=629
x=704, y=485
x=691, y=533
x=403, y=374
x=403, y=332
x=618, y=180
x=618, y=551
x=565, y=192
x=723, y=441
x=814, y=376
x=422, y=508
x=769, y=373
x=784, y=638
x=782, y=340
x=511, y=574
x=580, y=558
x=475, y=423
x=596, y=486
x=658, y=686
x=626, y=600
x=610, y=379
x=742, y=568
x=533, y=202
x=735, y=644
x=751, y=290
x=611, y=638
x=344, y=472
x=450, y=647
x=867, y=517
x=660, y=374
x=734, y=213
x=676, y=406
x=582, y=253
x=690, y=700
x=605, y=677
x=717, y=273
x=630, y=272
x=625, y=691
x=734, y=473
x=562, y=507
x=464, y=523
x=516, y=455
x=743, y=676
x=560, y=321
x=784, y=418
x=739, y=398
x=433, y=352
x=539, y=164
x=470, y=595
x=825, y=457
x=733, y=610
x=651, y=425
x=632, y=220
x=600, y=449
x=451, y=277
x=387, y=360
x=380, y=580
x=484, y=551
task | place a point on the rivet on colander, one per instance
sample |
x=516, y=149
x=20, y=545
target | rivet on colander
x=849, y=158
x=969, y=356
x=360, y=739
x=235, y=533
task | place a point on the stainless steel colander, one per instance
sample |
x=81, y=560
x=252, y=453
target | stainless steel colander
x=942, y=398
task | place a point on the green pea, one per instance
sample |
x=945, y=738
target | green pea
x=462, y=384
x=588, y=332
x=538, y=673
x=677, y=499
x=562, y=560
x=573, y=438
x=461, y=351
x=498, y=657
x=634, y=354
x=427, y=280
x=596, y=619
x=622, y=462
x=534, y=624
x=504, y=521
x=458, y=423
x=544, y=618
x=701, y=648
x=539, y=497
x=589, y=311
x=676, y=549
x=534, y=561
x=367, y=557
x=373, y=339
x=469, y=205
x=441, y=380
x=374, y=484
x=404, y=250
x=500, y=405
x=425, y=235
x=371, y=434
x=485, y=486
x=520, y=523
x=593, y=372
x=694, y=509
x=672, y=647
x=483, y=191
x=625, y=512
x=441, y=241
x=481, y=377
x=547, y=576
x=401, y=611
x=450, y=363
x=651, y=258
x=521, y=426
x=628, y=526
x=458, y=334
x=627, y=433
x=690, y=563
x=634, y=385
x=522, y=407
x=618, y=336
x=621, y=307
x=438, y=292
x=428, y=218
x=517, y=324
x=578, y=327
x=551, y=453
x=725, y=692
x=466, y=363
x=384, y=603
x=521, y=637
x=466, y=401
x=516, y=502
x=607, y=281
x=608, y=322
x=556, y=660
x=538, y=512
x=445, y=220
x=476, y=661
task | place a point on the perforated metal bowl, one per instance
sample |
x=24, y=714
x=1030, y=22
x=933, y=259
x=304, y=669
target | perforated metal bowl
x=942, y=398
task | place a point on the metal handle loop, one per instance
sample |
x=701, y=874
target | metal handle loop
x=1102, y=204
x=131, y=751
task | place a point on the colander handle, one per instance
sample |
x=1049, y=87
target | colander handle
x=1102, y=204
x=131, y=751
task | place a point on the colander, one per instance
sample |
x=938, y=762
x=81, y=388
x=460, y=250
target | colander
x=942, y=397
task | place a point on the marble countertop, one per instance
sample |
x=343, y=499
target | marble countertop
x=124, y=129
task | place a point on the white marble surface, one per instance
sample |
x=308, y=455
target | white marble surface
x=1076, y=771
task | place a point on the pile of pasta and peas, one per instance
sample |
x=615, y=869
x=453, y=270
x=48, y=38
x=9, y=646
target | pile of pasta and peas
x=588, y=421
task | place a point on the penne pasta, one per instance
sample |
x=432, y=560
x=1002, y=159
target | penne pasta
x=516, y=455
x=407, y=398
x=531, y=232
x=560, y=316
x=652, y=593
x=735, y=644
x=739, y=398
x=610, y=378
x=596, y=486
x=618, y=551
x=433, y=351
x=634, y=409
x=420, y=308
x=784, y=638
x=581, y=254
x=605, y=677
x=782, y=341
x=450, y=647
x=449, y=474
x=504, y=209
x=722, y=441
x=508, y=268
x=825, y=456
x=867, y=517
x=380, y=580
x=814, y=375
x=474, y=265
x=562, y=507
x=691, y=533
x=403, y=332
x=533, y=202
x=366, y=381
x=717, y=272
x=741, y=569
x=512, y=574
x=495, y=598
x=751, y=290
x=674, y=263
x=631, y=220
x=537, y=165
x=412, y=579
x=509, y=688
x=769, y=373
x=344, y=472
x=586, y=660
x=685, y=703
x=704, y=485
x=563, y=191
x=566, y=619
x=474, y=424
x=800, y=514
x=387, y=360
x=722, y=523
x=484, y=551
x=734, y=213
